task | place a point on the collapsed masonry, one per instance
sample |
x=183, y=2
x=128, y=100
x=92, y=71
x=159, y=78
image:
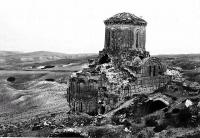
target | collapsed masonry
x=123, y=69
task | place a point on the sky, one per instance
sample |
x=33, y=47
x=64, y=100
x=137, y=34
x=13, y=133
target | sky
x=76, y=26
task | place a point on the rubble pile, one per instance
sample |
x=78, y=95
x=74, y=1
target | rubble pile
x=116, y=79
x=176, y=75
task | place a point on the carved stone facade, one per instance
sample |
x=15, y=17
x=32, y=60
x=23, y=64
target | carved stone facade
x=124, y=68
x=124, y=31
x=118, y=37
x=82, y=94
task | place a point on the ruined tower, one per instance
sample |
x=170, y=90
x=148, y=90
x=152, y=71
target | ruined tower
x=124, y=31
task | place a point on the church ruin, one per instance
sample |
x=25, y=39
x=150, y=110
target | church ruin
x=123, y=69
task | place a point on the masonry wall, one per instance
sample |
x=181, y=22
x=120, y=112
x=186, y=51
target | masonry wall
x=151, y=70
x=86, y=106
x=85, y=97
x=145, y=85
x=82, y=95
x=125, y=36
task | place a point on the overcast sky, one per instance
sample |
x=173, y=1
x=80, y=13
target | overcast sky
x=76, y=26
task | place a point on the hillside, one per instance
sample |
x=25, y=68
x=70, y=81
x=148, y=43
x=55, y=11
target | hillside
x=17, y=60
x=6, y=53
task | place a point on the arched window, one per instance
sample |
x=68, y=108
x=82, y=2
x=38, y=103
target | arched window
x=149, y=70
x=76, y=106
x=131, y=37
x=81, y=86
x=154, y=70
x=107, y=38
x=159, y=70
x=81, y=106
x=137, y=40
x=126, y=90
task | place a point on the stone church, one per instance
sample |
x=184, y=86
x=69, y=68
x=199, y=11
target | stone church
x=123, y=69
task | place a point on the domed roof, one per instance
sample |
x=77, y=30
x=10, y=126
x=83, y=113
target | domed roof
x=125, y=18
x=151, y=60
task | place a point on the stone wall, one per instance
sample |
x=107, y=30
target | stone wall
x=118, y=37
x=82, y=95
x=85, y=97
x=152, y=67
x=87, y=106
x=145, y=85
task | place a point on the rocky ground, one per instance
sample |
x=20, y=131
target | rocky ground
x=125, y=121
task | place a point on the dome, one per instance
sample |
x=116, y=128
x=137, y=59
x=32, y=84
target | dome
x=125, y=18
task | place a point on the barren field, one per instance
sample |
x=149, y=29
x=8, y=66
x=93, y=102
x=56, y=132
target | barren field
x=30, y=95
x=27, y=89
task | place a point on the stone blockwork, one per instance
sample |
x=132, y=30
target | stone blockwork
x=118, y=37
x=124, y=68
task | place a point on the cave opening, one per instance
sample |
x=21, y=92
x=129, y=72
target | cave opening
x=152, y=106
x=48, y=66
x=11, y=79
x=104, y=59
x=49, y=79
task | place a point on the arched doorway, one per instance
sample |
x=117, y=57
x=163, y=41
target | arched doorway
x=11, y=79
x=154, y=105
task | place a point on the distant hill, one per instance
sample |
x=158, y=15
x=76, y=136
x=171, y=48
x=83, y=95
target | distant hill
x=12, y=58
x=7, y=53
x=185, y=61
x=178, y=55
